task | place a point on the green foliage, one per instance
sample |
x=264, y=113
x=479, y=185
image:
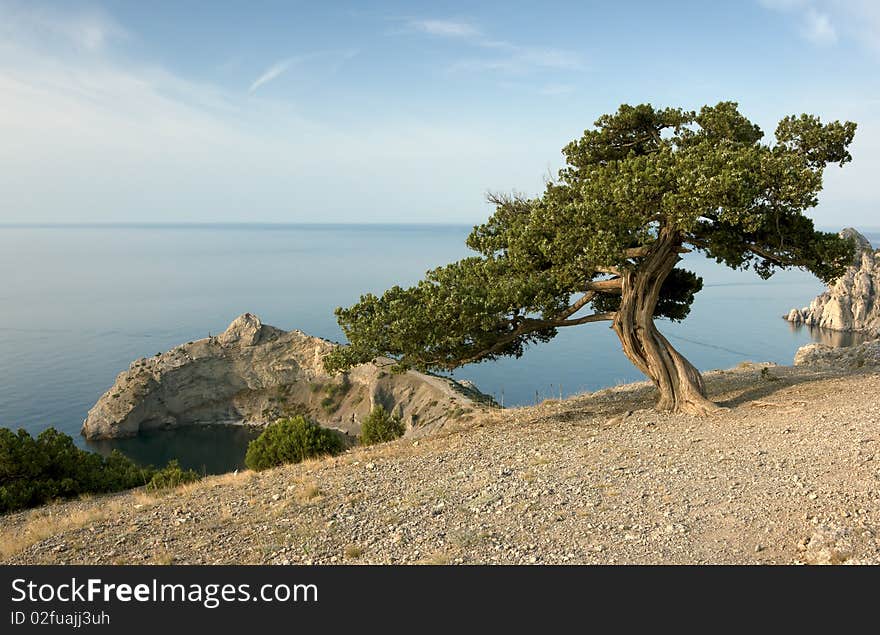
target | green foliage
x=291, y=441
x=704, y=180
x=333, y=395
x=172, y=475
x=37, y=470
x=380, y=426
x=34, y=471
x=329, y=405
x=676, y=296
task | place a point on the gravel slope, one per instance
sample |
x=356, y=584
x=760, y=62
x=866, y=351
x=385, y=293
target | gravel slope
x=789, y=474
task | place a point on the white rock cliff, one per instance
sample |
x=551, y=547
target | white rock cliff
x=255, y=373
x=851, y=303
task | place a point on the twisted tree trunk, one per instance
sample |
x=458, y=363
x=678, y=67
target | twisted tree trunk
x=679, y=382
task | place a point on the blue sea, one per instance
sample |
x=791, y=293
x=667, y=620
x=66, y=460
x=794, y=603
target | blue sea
x=78, y=303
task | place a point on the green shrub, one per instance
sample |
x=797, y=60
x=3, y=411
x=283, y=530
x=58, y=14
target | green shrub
x=37, y=470
x=380, y=426
x=34, y=471
x=172, y=475
x=290, y=441
x=338, y=390
x=334, y=394
x=329, y=405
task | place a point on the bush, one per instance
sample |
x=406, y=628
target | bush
x=380, y=426
x=334, y=394
x=34, y=471
x=172, y=475
x=290, y=441
x=329, y=405
x=37, y=470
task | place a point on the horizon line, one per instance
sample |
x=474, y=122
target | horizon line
x=195, y=224
x=267, y=224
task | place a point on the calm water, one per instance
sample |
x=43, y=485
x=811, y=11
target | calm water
x=77, y=304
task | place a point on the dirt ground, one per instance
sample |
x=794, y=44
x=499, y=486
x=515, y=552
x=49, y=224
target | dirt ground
x=789, y=474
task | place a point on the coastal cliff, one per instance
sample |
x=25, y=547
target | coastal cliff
x=255, y=373
x=851, y=303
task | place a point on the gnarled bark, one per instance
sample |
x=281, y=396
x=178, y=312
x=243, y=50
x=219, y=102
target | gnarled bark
x=679, y=382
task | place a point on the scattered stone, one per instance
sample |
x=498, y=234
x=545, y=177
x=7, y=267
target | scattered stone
x=828, y=545
x=864, y=355
x=546, y=484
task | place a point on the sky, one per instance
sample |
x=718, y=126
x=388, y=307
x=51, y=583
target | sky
x=373, y=112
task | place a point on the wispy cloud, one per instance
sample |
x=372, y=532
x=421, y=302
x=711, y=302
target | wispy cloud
x=273, y=72
x=864, y=21
x=783, y=5
x=94, y=32
x=825, y=22
x=446, y=28
x=122, y=138
x=497, y=55
x=330, y=62
x=818, y=28
x=89, y=31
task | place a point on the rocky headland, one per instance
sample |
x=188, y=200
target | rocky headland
x=255, y=373
x=852, y=302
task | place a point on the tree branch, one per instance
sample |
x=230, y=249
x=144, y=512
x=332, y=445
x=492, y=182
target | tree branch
x=537, y=325
x=775, y=258
x=613, y=285
x=595, y=317
x=780, y=261
x=614, y=271
x=579, y=304
x=530, y=326
x=604, y=286
x=638, y=252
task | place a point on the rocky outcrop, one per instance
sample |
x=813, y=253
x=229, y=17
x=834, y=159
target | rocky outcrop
x=851, y=303
x=866, y=354
x=254, y=373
